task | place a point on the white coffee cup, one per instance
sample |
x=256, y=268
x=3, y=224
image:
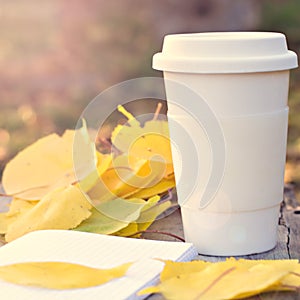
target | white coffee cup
x=243, y=77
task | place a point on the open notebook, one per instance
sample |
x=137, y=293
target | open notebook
x=93, y=250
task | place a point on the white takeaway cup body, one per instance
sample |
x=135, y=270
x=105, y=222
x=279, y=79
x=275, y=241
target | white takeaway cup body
x=243, y=77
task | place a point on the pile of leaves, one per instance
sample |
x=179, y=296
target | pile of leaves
x=116, y=193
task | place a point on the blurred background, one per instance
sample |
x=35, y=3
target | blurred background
x=57, y=55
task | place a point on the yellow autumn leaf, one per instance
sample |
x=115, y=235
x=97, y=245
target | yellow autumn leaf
x=125, y=210
x=100, y=223
x=108, y=218
x=288, y=264
x=153, y=147
x=123, y=217
x=47, y=164
x=148, y=215
x=128, y=231
x=288, y=282
x=113, y=183
x=153, y=208
x=174, y=269
x=231, y=279
x=141, y=178
x=59, y=275
x=122, y=180
x=17, y=208
x=103, y=163
x=150, y=142
x=63, y=208
x=26, y=171
x=163, y=186
x=219, y=282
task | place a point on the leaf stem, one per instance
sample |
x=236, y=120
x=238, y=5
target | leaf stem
x=162, y=200
x=158, y=232
x=4, y=195
x=157, y=111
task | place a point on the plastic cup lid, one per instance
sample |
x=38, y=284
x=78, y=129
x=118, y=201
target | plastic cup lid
x=225, y=52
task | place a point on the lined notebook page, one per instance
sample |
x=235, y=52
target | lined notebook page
x=92, y=250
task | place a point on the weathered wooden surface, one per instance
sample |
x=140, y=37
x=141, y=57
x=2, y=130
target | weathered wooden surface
x=288, y=245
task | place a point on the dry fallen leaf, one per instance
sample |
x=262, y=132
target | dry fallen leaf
x=25, y=174
x=112, y=216
x=150, y=142
x=159, y=188
x=173, y=269
x=63, y=208
x=59, y=275
x=130, y=181
x=100, y=223
x=120, y=180
x=47, y=165
x=148, y=215
x=232, y=279
x=17, y=208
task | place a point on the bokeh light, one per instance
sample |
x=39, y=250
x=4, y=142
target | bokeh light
x=57, y=55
